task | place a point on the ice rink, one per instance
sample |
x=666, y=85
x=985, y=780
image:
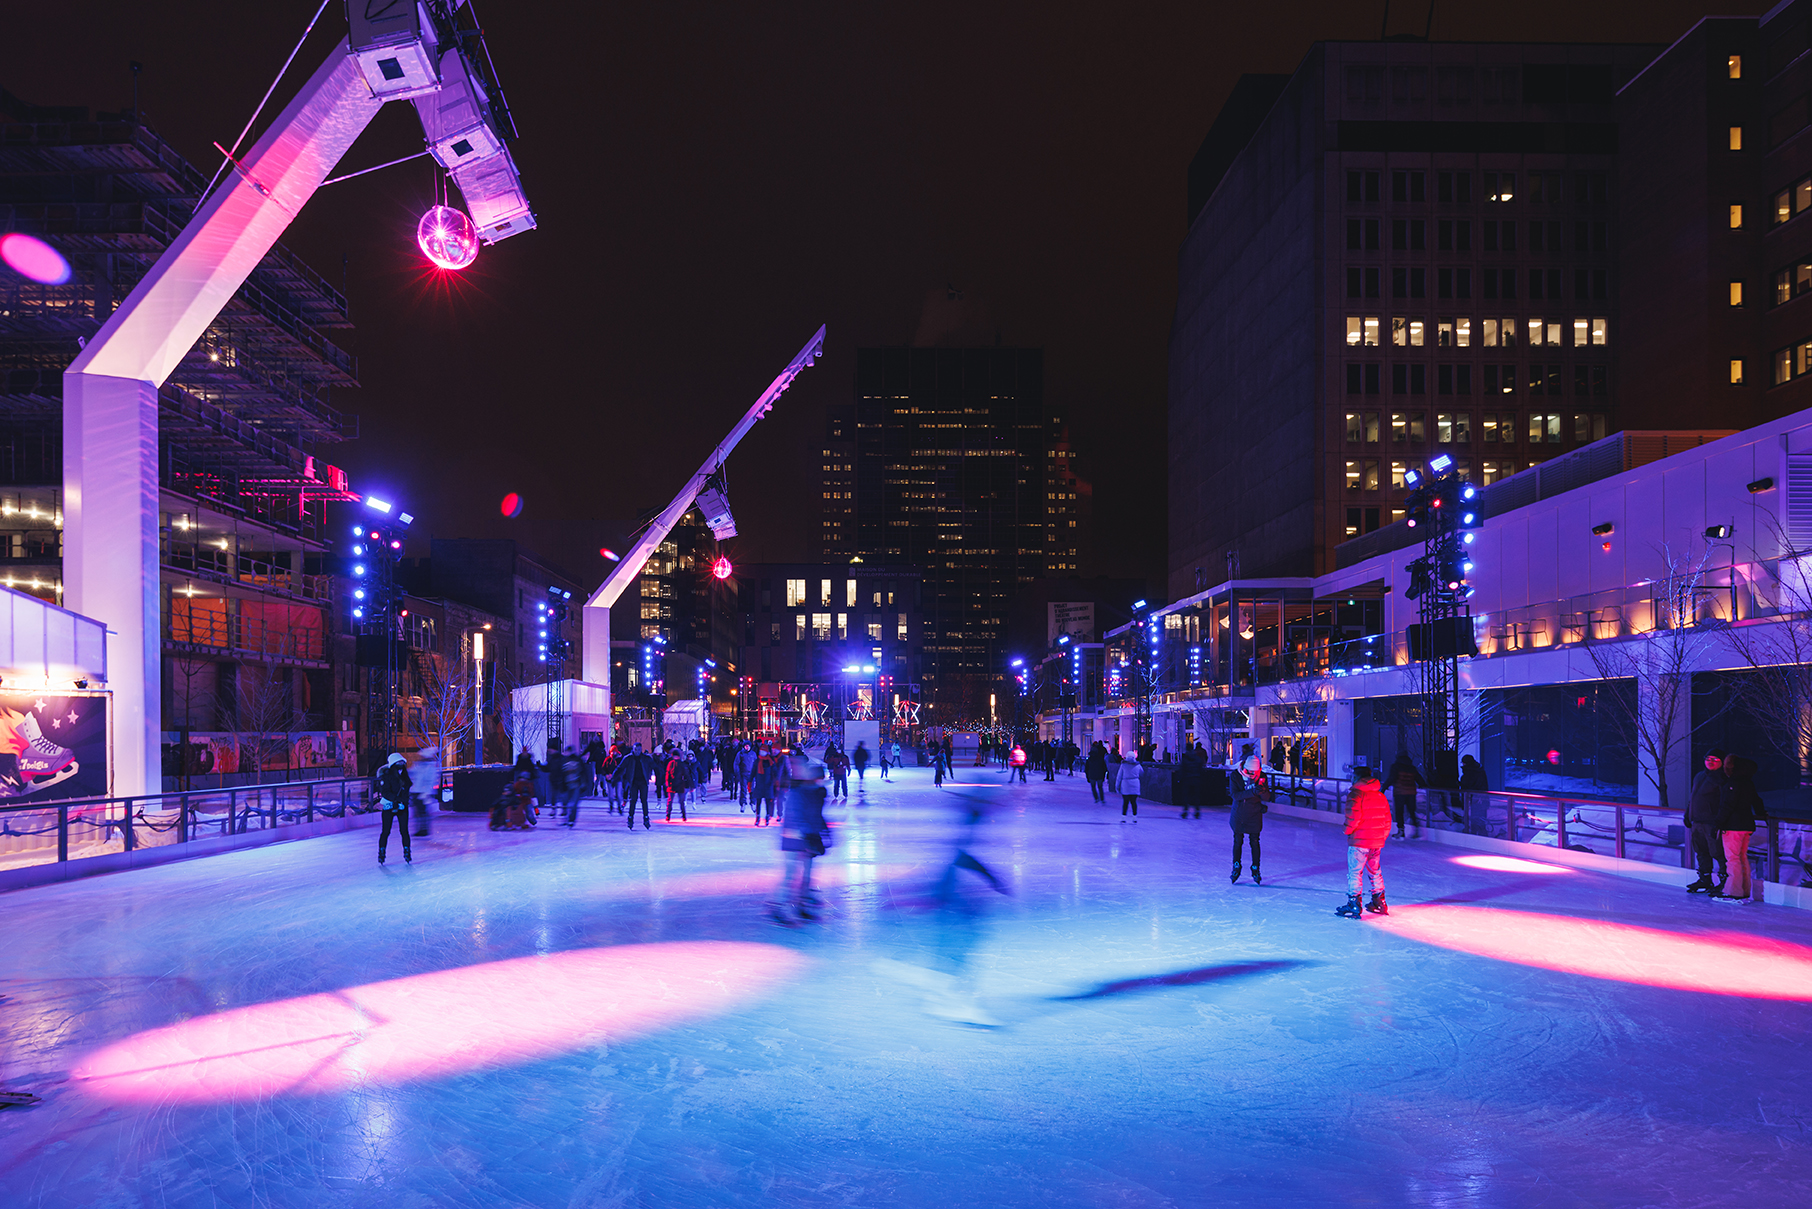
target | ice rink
x=600, y=1017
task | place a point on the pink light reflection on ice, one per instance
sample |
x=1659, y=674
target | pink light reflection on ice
x=1509, y=864
x=431, y=1025
x=33, y=258
x=1714, y=963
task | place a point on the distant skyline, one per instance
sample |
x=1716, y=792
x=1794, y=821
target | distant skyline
x=711, y=185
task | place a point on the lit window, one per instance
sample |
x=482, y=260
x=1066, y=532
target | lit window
x=1736, y=293
x=1536, y=330
x=824, y=591
x=1736, y=138
x=1396, y=474
x=1544, y=425
x=874, y=631
x=821, y=626
x=849, y=593
x=1735, y=66
x=795, y=593
x=902, y=616
x=1736, y=372
x=799, y=627
x=1500, y=333
x=1601, y=329
x=1736, y=216
x=1491, y=471
x=842, y=626
x=1453, y=428
x=1406, y=426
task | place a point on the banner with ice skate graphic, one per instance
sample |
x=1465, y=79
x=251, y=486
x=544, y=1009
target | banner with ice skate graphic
x=52, y=745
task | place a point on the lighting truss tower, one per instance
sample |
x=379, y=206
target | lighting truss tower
x=376, y=617
x=553, y=649
x=1445, y=508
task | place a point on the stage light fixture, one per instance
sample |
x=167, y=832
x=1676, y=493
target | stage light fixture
x=714, y=506
x=376, y=505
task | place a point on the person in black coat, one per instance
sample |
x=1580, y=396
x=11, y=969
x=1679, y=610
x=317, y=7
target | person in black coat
x=1404, y=778
x=1742, y=806
x=1095, y=769
x=1705, y=816
x=633, y=772
x=1247, y=820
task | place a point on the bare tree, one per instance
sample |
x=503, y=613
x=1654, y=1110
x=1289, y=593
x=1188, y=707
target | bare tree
x=1777, y=689
x=446, y=703
x=1657, y=719
x=266, y=707
x=525, y=726
x=1302, y=707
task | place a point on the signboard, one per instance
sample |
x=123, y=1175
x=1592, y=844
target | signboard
x=1076, y=618
x=53, y=746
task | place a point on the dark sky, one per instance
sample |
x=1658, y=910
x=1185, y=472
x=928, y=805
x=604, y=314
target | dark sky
x=713, y=181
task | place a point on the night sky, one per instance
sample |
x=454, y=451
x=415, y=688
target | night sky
x=713, y=181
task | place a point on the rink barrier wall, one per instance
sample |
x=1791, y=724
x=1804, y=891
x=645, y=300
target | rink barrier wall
x=1771, y=892
x=60, y=841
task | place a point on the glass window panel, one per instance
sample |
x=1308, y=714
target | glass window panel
x=1399, y=332
x=1354, y=329
x=1417, y=332
x=1582, y=332
x=1601, y=329
x=1354, y=432
x=1783, y=206
x=1371, y=330
x=1802, y=196
x=1490, y=326
x=1462, y=332
x=1443, y=333
x=1535, y=330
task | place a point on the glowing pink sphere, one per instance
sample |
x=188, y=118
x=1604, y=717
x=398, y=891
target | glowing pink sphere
x=33, y=258
x=511, y=505
x=447, y=237
x=721, y=568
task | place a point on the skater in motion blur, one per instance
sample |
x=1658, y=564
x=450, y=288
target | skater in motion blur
x=804, y=837
x=392, y=785
x=1367, y=827
x=424, y=785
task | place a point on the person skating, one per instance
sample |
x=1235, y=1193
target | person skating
x=804, y=837
x=768, y=770
x=1368, y=824
x=837, y=764
x=1247, y=820
x=633, y=772
x=1404, y=779
x=424, y=786
x=745, y=776
x=571, y=783
x=1016, y=763
x=392, y=785
x=1742, y=805
x=1705, y=815
x=680, y=770
x=859, y=758
x=1125, y=776
x=1095, y=769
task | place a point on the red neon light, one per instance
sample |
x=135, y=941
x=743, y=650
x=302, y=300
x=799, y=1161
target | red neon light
x=423, y=1026
x=511, y=506
x=1715, y=963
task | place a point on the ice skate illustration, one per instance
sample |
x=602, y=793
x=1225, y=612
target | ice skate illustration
x=41, y=762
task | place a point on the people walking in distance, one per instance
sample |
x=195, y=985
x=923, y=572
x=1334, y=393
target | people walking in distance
x=1095, y=769
x=1125, y=777
x=1742, y=806
x=1368, y=825
x=804, y=836
x=1247, y=819
x=1705, y=816
x=1404, y=781
x=836, y=763
x=680, y=771
x=746, y=756
x=1016, y=763
x=570, y=783
x=633, y=773
x=768, y=771
x=1048, y=756
x=392, y=786
x=859, y=758
x=424, y=786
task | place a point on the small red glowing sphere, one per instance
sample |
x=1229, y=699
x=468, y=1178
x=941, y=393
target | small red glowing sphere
x=33, y=258
x=511, y=506
x=1553, y=757
x=607, y=552
x=447, y=237
x=721, y=568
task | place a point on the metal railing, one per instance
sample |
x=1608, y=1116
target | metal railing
x=49, y=832
x=1654, y=834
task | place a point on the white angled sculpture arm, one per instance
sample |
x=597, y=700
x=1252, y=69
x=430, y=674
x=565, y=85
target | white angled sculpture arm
x=596, y=617
x=110, y=469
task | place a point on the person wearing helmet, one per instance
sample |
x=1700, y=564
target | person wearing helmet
x=392, y=785
x=803, y=838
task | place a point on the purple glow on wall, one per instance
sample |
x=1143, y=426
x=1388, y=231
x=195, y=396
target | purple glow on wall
x=447, y=237
x=33, y=258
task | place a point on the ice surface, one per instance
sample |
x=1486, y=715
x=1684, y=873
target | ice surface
x=605, y=1018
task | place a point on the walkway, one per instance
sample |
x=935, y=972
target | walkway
x=603, y=1018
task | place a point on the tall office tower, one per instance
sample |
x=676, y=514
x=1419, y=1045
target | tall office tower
x=244, y=426
x=1400, y=250
x=1716, y=165
x=950, y=450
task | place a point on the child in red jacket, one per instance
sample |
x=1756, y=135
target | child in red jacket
x=1368, y=824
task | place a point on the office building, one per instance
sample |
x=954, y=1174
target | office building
x=1410, y=248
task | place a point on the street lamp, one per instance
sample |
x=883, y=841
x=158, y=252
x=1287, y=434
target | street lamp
x=477, y=634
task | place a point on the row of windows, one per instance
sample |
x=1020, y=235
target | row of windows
x=1373, y=474
x=1543, y=379
x=821, y=627
x=1544, y=284
x=1455, y=235
x=1455, y=188
x=1366, y=331
x=1456, y=428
